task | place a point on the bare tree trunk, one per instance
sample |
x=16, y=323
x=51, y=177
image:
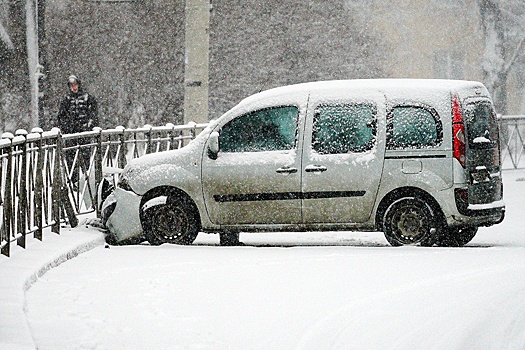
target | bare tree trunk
x=32, y=57
x=494, y=69
x=43, y=71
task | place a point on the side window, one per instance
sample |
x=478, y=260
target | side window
x=413, y=126
x=270, y=129
x=344, y=128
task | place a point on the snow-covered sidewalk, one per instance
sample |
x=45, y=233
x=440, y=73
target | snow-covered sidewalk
x=24, y=267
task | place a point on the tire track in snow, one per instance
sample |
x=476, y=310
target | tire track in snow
x=403, y=316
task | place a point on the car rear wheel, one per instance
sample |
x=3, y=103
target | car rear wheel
x=169, y=219
x=457, y=236
x=409, y=220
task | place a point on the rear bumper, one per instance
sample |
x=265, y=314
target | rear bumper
x=486, y=214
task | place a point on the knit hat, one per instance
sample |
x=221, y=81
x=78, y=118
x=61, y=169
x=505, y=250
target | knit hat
x=72, y=79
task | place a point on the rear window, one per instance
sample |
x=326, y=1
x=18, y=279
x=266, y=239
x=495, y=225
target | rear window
x=413, y=127
x=482, y=125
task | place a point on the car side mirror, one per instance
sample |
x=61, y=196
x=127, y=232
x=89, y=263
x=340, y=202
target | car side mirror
x=213, y=145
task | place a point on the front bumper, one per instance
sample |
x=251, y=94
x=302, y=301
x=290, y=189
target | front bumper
x=120, y=214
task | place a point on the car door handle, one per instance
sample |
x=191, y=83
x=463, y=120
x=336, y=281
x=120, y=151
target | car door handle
x=286, y=170
x=315, y=168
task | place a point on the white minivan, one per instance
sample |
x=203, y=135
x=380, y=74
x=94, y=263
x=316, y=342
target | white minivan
x=416, y=159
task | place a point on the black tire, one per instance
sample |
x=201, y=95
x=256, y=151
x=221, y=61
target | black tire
x=457, y=236
x=409, y=220
x=229, y=238
x=176, y=221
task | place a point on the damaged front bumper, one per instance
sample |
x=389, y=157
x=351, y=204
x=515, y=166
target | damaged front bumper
x=120, y=214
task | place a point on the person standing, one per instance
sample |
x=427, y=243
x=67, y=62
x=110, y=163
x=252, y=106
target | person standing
x=78, y=110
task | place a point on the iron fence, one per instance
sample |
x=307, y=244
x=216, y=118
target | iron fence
x=48, y=179
x=512, y=138
x=30, y=184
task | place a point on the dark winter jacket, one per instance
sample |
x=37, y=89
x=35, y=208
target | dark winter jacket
x=78, y=112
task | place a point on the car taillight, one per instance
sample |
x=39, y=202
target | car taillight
x=458, y=131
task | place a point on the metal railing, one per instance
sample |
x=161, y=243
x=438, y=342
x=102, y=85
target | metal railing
x=48, y=179
x=30, y=186
x=512, y=138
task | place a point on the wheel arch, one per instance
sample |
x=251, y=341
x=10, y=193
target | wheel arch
x=408, y=191
x=171, y=192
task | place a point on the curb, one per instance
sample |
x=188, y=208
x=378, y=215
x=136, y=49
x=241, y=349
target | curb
x=19, y=272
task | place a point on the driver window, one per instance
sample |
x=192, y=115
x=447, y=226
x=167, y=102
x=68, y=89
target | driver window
x=271, y=129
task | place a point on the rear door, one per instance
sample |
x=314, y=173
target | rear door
x=343, y=157
x=483, y=153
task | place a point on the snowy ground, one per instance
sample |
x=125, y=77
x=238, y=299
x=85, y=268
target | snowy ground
x=292, y=291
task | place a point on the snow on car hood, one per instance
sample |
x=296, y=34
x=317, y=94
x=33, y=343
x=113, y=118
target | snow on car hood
x=160, y=167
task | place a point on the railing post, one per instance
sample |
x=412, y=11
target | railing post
x=193, y=132
x=22, y=200
x=171, y=134
x=149, y=146
x=4, y=235
x=98, y=168
x=518, y=147
x=512, y=149
x=121, y=156
x=57, y=185
x=8, y=197
x=60, y=193
x=193, y=129
x=39, y=185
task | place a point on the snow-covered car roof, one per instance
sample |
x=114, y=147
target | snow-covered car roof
x=364, y=84
x=433, y=91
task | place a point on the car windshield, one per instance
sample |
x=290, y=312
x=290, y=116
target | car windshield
x=482, y=126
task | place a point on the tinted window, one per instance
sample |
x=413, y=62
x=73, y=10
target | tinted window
x=265, y=130
x=411, y=126
x=343, y=128
x=482, y=126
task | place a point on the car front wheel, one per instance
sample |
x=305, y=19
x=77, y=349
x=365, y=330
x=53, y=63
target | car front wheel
x=169, y=219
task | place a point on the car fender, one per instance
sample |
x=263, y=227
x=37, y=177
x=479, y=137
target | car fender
x=426, y=181
x=186, y=179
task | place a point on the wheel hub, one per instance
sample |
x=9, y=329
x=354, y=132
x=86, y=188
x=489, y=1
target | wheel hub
x=410, y=225
x=172, y=224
